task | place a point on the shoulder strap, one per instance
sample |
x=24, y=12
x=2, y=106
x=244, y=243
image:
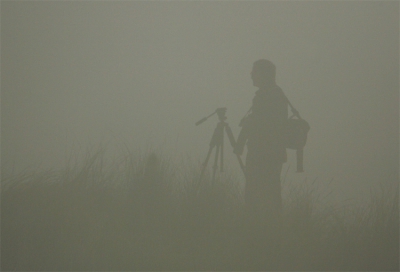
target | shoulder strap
x=294, y=111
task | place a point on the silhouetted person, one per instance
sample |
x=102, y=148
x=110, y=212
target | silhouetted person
x=263, y=130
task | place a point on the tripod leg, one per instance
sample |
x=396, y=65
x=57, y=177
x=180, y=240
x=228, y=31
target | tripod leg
x=217, y=150
x=233, y=144
x=206, y=162
x=216, y=139
x=222, y=153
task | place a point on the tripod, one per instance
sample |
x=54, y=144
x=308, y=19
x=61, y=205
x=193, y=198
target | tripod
x=217, y=141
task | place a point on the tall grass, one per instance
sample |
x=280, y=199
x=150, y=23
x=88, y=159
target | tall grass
x=147, y=212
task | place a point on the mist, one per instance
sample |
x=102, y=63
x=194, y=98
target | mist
x=139, y=74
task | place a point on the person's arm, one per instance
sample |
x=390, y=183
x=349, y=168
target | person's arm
x=241, y=142
x=243, y=135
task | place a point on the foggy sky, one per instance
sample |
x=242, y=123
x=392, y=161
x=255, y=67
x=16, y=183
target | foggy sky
x=143, y=72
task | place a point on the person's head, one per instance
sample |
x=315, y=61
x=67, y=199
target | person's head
x=263, y=73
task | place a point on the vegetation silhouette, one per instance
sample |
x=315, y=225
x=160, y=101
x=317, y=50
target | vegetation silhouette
x=142, y=212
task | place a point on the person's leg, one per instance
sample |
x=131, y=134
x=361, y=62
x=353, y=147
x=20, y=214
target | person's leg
x=263, y=203
x=253, y=196
x=273, y=210
x=273, y=191
x=255, y=190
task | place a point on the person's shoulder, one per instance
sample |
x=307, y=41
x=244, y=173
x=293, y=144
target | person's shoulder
x=277, y=90
x=278, y=94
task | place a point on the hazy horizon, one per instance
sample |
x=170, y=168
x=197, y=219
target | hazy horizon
x=142, y=73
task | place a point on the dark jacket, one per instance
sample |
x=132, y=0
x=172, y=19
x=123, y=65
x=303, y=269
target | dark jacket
x=263, y=128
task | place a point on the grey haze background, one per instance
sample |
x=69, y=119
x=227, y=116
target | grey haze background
x=141, y=73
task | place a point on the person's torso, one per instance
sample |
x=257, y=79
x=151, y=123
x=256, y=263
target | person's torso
x=267, y=123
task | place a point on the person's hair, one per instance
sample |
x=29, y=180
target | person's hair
x=266, y=67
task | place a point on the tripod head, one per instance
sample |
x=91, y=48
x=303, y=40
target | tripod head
x=220, y=112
